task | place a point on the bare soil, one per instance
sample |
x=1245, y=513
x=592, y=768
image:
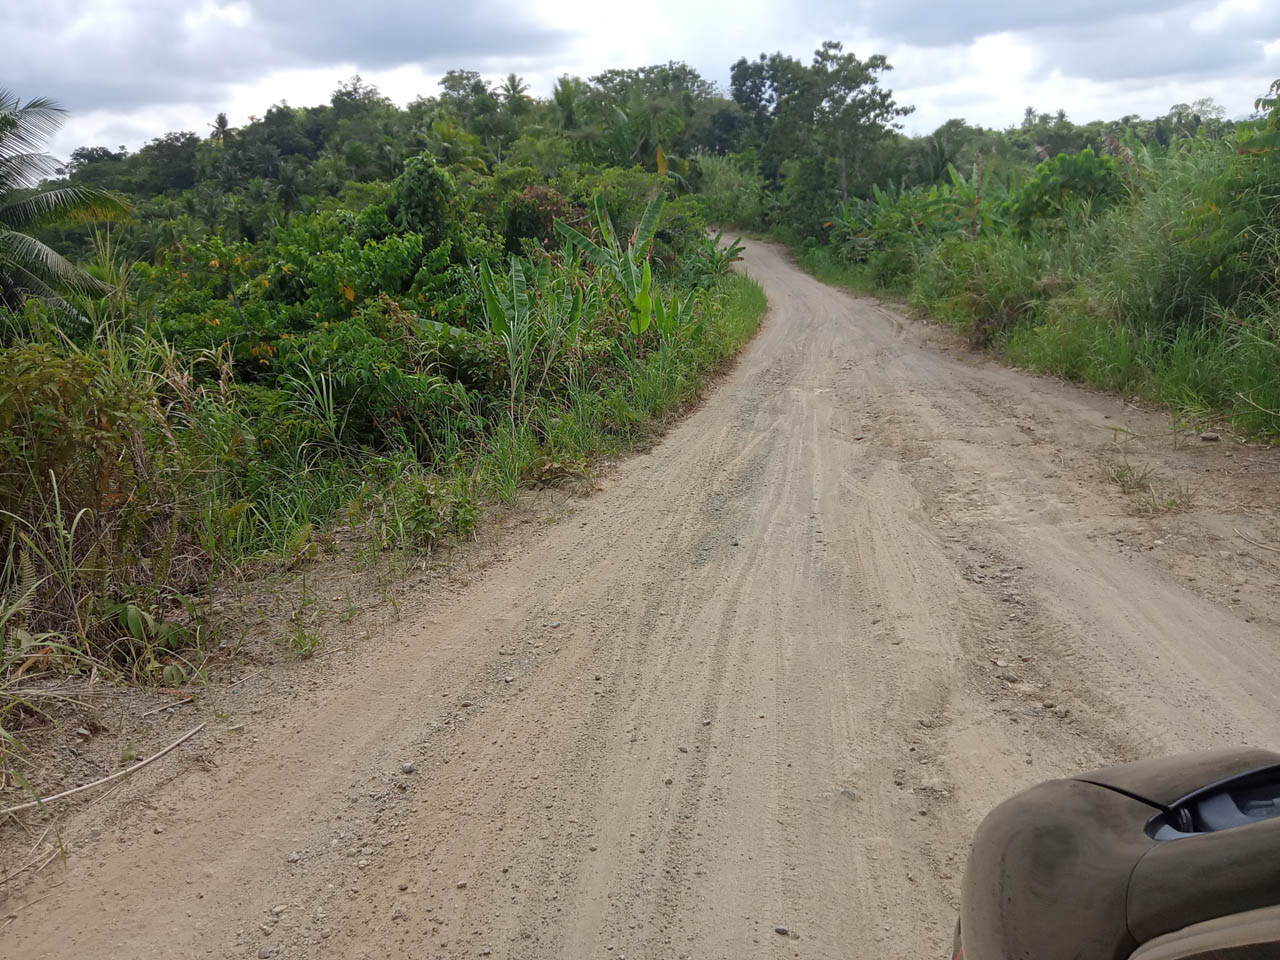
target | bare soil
x=770, y=677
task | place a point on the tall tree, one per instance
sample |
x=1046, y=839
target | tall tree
x=852, y=111
x=566, y=97
x=27, y=266
x=515, y=95
x=220, y=129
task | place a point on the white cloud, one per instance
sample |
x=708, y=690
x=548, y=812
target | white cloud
x=133, y=69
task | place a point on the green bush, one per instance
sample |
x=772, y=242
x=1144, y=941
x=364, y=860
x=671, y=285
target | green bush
x=1083, y=181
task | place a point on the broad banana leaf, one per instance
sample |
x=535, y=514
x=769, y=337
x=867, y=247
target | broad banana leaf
x=495, y=310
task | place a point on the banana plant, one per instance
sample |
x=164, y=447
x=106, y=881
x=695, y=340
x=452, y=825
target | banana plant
x=548, y=317
x=629, y=268
x=669, y=320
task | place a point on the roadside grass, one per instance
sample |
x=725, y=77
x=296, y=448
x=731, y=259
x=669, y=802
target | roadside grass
x=1166, y=292
x=1014, y=303
x=1146, y=491
x=1230, y=370
x=175, y=490
x=822, y=263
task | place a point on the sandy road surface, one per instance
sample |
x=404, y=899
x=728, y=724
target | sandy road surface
x=772, y=676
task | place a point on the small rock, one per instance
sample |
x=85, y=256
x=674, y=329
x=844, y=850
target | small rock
x=462, y=884
x=83, y=732
x=278, y=909
x=363, y=863
x=781, y=929
x=706, y=723
x=157, y=829
x=264, y=952
x=466, y=703
x=507, y=679
x=668, y=781
x=1210, y=437
x=295, y=857
x=593, y=848
x=555, y=624
x=1002, y=663
x=326, y=933
x=403, y=887
x=683, y=749
x=407, y=768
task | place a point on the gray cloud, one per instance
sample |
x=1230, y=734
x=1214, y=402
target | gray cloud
x=383, y=33
x=126, y=65
x=130, y=53
x=928, y=23
x=1160, y=45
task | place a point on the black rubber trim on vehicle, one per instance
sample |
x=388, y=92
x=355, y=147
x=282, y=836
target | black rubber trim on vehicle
x=1133, y=796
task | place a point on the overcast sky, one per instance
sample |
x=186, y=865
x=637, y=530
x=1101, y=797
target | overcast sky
x=130, y=70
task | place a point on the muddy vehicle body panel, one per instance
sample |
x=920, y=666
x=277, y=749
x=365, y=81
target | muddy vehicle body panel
x=1162, y=859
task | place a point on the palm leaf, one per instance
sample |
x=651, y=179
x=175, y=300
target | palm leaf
x=63, y=203
x=26, y=128
x=23, y=171
x=29, y=255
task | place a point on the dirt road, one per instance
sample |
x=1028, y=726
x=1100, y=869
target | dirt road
x=771, y=677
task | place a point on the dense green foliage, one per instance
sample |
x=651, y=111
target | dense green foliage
x=1138, y=255
x=351, y=313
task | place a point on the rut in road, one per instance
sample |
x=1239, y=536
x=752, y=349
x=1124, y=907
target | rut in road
x=771, y=677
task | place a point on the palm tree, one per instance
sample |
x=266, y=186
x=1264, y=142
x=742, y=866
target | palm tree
x=29, y=268
x=567, y=96
x=515, y=94
x=220, y=130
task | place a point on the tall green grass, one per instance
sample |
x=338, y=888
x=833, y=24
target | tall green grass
x=1172, y=294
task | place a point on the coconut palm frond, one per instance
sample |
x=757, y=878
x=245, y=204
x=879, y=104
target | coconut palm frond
x=63, y=203
x=21, y=254
x=25, y=128
x=25, y=170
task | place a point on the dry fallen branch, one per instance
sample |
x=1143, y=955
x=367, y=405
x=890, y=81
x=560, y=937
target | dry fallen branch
x=167, y=706
x=97, y=783
x=1256, y=543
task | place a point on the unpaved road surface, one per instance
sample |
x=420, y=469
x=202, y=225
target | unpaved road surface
x=772, y=676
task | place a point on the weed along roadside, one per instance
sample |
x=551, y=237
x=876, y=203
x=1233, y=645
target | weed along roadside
x=362, y=382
